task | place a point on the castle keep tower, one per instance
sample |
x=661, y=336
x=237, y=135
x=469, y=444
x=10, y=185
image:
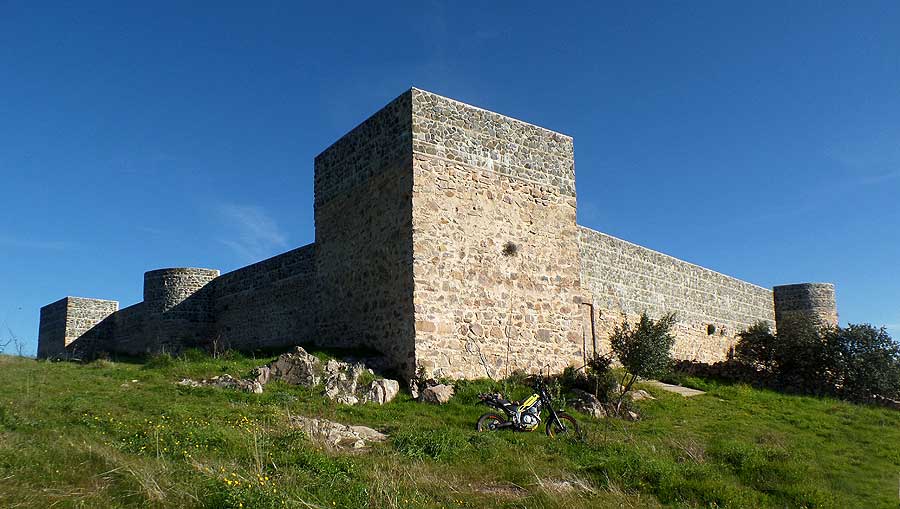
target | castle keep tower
x=446, y=239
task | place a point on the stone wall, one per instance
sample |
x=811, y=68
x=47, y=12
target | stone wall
x=363, y=213
x=486, y=185
x=129, y=331
x=626, y=279
x=811, y=301
x=269, y=304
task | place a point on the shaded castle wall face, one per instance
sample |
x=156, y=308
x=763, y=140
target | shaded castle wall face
x=269, y=304
x=363, y=214
x=52, y=330
x=806, y=301
x=482, y=180
x=711, y=308
x=129, y=331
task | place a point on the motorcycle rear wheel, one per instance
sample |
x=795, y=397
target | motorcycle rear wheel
x=489, y=422
x=554, y=429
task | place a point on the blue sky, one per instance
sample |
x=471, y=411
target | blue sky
x=760, y=139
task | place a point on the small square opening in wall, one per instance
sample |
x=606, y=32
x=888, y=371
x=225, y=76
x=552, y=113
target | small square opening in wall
x=710, y=329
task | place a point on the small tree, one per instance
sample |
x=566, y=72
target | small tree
x=596, y=378
x=865, y=362
x=645, y=350
x=858, y=363
x=756, y=346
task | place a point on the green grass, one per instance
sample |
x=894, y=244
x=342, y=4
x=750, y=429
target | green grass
x=88, y=436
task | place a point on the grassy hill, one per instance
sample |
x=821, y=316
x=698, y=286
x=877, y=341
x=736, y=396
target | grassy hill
x=124, y=435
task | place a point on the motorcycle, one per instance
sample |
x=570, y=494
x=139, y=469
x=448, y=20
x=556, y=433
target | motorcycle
x=525, y=416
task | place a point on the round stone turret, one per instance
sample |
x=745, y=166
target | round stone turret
x=166, y=289
x=178, y=307
x=812, y=301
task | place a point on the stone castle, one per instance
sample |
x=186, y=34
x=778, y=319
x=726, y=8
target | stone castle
x=445, y=239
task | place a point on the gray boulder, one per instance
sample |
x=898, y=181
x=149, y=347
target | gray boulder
x=296, y=368
x=639, y=394
x=382, y=391
x=341, y=380
x=587, y=403
x=436, y=394
x=337, y=435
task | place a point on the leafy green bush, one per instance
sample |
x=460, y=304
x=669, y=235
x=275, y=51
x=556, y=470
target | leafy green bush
x=856, y=363
x=802, y=360
x=756, y=346
x=645, y=350
x=865, y=362
x=596, y=378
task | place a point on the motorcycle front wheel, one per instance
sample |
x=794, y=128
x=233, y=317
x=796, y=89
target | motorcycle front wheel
x=489, y=422
x=569, y=425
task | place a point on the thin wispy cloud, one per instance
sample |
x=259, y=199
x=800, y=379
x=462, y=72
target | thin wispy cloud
x=879, y=179
x=864, y=164
x=25, y=243
x=150, y=230
x=253, y=234
x=871, y=161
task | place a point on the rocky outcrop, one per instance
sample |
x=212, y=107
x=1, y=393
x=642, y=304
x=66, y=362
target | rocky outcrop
x=225, y=382
x=429, y=390
x=341, y=380
x=295, y=368
x=337, y=435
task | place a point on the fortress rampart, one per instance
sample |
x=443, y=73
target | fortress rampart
x=625, y=279
x=446, y=238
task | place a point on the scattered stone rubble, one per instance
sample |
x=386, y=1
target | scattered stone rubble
x=589, y=404
x=225, y=382
x=297, y=367
x=337, y=435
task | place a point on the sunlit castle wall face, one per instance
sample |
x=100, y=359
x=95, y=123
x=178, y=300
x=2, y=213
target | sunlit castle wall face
x=496, y=259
